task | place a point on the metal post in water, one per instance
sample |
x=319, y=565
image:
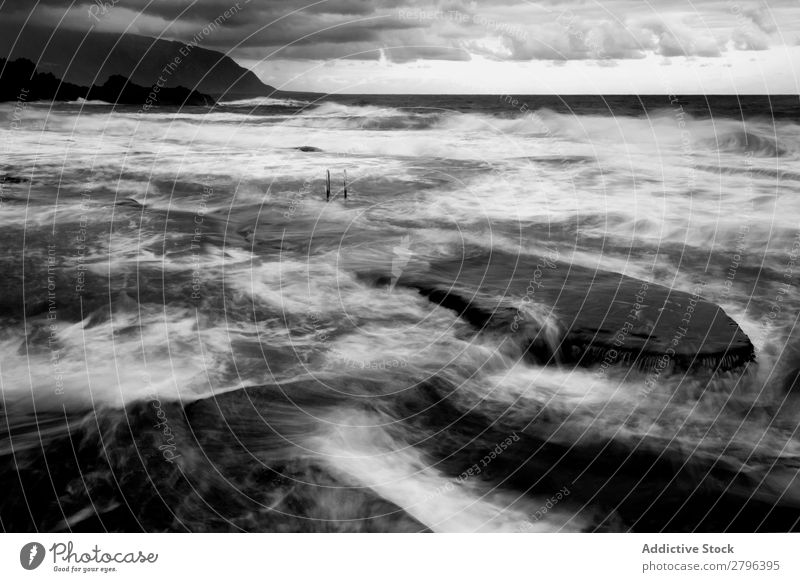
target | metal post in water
x=328, y=186
x=345, y=184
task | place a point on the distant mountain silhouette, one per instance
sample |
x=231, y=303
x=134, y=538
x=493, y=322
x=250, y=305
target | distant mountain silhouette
x=19, y=80
x=91, y=58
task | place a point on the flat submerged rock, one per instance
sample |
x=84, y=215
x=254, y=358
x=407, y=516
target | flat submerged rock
x=563, y=313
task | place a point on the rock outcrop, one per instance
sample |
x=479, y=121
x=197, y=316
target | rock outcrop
x=20, y=81
x=560, y=312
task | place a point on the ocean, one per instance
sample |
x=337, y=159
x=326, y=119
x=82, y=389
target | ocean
x=196, y=337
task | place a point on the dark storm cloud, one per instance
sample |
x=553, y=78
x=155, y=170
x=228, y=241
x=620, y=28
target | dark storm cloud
x=439, y=29
x=168, y=9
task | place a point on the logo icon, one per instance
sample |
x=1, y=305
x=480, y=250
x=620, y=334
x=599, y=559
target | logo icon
x=31, y=555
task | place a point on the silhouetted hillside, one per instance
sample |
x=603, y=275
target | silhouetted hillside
x=19, y=80
x=91, y=58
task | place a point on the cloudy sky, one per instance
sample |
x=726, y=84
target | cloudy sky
x=461, y=46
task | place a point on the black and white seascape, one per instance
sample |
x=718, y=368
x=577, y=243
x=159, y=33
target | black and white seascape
x=424, y=298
